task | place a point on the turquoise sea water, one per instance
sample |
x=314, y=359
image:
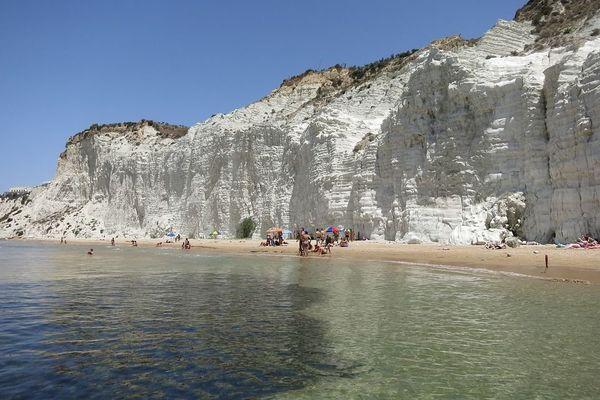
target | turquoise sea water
x=162, y=323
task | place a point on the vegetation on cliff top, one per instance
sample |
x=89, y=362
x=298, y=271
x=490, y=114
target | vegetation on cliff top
x=165, y=130
x=553, y=20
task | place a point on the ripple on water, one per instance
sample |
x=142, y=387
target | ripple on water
x=138, y=322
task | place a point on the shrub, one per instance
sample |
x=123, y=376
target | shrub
x=246, y=228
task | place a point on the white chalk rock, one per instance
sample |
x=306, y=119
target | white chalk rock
x=458, y=143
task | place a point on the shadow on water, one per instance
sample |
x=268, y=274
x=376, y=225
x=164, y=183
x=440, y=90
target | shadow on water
x=159, y=323
x=161, y=334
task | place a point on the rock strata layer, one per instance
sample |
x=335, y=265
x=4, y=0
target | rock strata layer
x=459, y=142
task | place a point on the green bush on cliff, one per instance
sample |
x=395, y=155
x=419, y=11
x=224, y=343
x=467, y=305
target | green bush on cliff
x=246, y=228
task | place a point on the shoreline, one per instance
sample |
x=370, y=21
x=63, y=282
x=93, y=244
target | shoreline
x=565, y=265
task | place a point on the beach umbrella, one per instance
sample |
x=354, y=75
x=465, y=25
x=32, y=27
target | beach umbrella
x=274, y=230
x=171, y=234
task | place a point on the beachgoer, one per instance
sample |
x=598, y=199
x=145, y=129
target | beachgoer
x=328, y=244
x=319, y=236
x=61, y=240
x=112, y=241
x=187, y=244
x=305, y=244
x=91, y=252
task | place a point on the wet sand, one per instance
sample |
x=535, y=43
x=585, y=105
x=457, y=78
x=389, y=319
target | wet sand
x=571, y=265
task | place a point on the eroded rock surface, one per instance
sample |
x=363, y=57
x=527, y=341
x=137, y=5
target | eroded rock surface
x=460, y=142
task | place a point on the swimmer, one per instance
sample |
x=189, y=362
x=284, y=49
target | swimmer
x=91, y=252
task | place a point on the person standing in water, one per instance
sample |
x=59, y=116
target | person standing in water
x=112, y=241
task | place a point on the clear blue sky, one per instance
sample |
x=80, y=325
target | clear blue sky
x=67, y=64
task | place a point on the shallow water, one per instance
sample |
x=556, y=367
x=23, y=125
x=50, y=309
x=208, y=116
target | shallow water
x=162, y=323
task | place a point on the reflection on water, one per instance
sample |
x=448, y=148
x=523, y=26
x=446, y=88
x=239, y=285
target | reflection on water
x=163, y=323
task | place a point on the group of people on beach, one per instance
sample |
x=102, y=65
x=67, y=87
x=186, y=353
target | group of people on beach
x=186, y=245
x=275, y=239
x=324, y=240
x=321, y=247
x=585, y=241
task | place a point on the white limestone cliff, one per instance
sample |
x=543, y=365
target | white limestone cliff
x=460, y=142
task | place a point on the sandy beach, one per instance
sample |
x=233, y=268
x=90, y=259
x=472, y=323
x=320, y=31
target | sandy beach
x=568, y=265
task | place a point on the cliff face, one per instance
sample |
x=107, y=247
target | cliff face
x=459, y=142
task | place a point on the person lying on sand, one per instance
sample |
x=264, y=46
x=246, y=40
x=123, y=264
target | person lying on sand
x=159, y=244
x=587, y=240
x=320, y=250
x=495, y=246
